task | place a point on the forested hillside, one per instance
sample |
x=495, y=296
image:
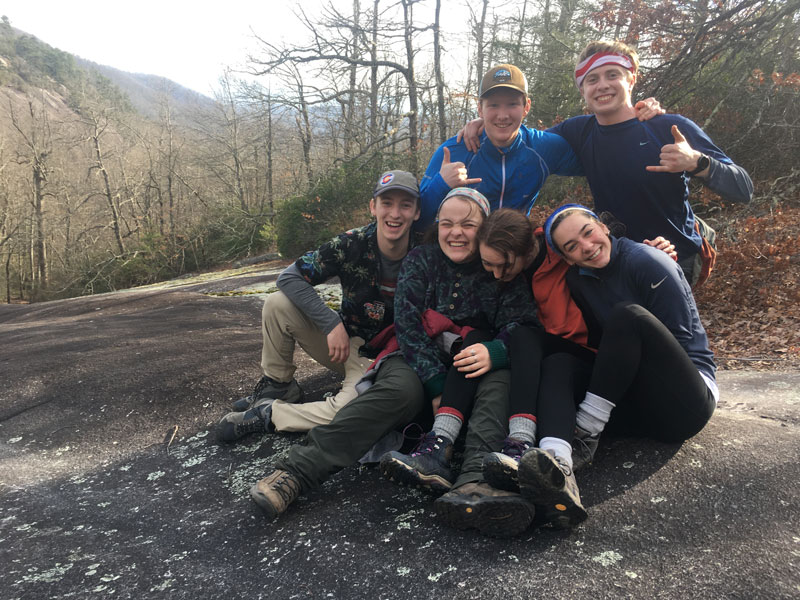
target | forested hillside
x=110, y=179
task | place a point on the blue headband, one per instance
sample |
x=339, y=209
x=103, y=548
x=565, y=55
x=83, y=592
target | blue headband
x=548, y=224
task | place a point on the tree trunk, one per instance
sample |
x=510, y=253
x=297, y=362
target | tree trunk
x=109, y=195
x=437, y=65
x=413, y=105
x=39, y=262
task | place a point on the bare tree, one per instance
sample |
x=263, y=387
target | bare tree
x=34, y=151
x=97, y=124
x=437, y=68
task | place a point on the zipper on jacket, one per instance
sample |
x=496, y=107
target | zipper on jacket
x=503, y=187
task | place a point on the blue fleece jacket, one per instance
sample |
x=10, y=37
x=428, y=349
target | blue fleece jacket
x=511, y=176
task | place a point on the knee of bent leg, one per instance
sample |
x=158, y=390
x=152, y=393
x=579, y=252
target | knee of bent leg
x=629, y=314
x=276, y=302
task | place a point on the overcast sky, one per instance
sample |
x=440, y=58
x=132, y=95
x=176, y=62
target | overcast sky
x=189, y=42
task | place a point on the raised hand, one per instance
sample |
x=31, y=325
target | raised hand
x=677, y=157
x=455, y=173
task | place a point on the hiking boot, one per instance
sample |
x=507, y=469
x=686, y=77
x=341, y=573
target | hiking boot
x=269, y=388
x=584, y=447
x=255, y=419
x=493, y=512
x=548, y=482
x=428, y=466
x=500, y=468
x=275, y=492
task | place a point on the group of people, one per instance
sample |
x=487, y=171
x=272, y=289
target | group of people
x=526, y=342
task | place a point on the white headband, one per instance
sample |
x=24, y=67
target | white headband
x=599, y=59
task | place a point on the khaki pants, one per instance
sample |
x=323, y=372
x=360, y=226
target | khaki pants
x=282, y=326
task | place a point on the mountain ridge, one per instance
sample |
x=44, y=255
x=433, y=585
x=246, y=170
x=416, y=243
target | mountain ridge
x=27, y=61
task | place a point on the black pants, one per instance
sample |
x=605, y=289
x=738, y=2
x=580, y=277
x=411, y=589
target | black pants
x=642, y=368
x=459, y=392
x=549, y=377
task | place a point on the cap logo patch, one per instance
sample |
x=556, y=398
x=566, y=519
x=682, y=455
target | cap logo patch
x=387, y=179
x=502, y=74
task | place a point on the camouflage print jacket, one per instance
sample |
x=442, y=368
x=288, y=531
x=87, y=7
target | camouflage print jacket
x=354, y=258
x=464, y=293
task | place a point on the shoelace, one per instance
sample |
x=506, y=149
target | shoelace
x=582, y=448
x=515, y=448
x=420, y=433
x=286, y=487
x=262, y=383
x=428, y=443
x=565, y=468
x=253, y=424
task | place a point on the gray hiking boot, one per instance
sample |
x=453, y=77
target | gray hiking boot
x=269, y=388
x=548, y=482
x=500, y=468
x=496, y=513
x=255, y=419
x=584, y=447
x=275, y=492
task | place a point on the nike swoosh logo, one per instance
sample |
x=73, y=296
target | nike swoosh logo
x=655, y=285
x=642, y=143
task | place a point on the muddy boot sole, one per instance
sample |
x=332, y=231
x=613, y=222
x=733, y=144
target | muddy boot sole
x=543, y=483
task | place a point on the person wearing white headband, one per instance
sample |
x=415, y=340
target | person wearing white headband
x=639, y=171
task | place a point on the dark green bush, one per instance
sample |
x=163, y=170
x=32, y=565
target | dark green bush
x=338, y=202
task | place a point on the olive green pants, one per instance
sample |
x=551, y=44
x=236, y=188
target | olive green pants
x=394, y=400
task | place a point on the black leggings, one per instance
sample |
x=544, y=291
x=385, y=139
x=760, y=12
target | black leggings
x=458, y=395
x=549, y=377
x=642, y=368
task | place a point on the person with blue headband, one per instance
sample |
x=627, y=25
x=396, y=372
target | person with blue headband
x=654, y=374
x=550, y=370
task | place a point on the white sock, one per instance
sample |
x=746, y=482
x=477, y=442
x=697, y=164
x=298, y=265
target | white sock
x=560, y=448
x=593, y=413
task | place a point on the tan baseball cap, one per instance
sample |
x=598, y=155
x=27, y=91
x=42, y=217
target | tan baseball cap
x=504, y=76
x=507, y=76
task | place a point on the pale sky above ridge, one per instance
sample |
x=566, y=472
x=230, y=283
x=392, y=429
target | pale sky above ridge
x=188, y=42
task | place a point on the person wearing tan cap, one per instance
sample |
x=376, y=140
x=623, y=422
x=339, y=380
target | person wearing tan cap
x=638, y=160
x=367, y=262
x=513, y=163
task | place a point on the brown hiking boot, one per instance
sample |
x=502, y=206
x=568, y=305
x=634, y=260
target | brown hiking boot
x=275, y=492
x=496, y=513
x=548, y=482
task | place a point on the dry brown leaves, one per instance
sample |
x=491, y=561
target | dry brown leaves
x=751, y=304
